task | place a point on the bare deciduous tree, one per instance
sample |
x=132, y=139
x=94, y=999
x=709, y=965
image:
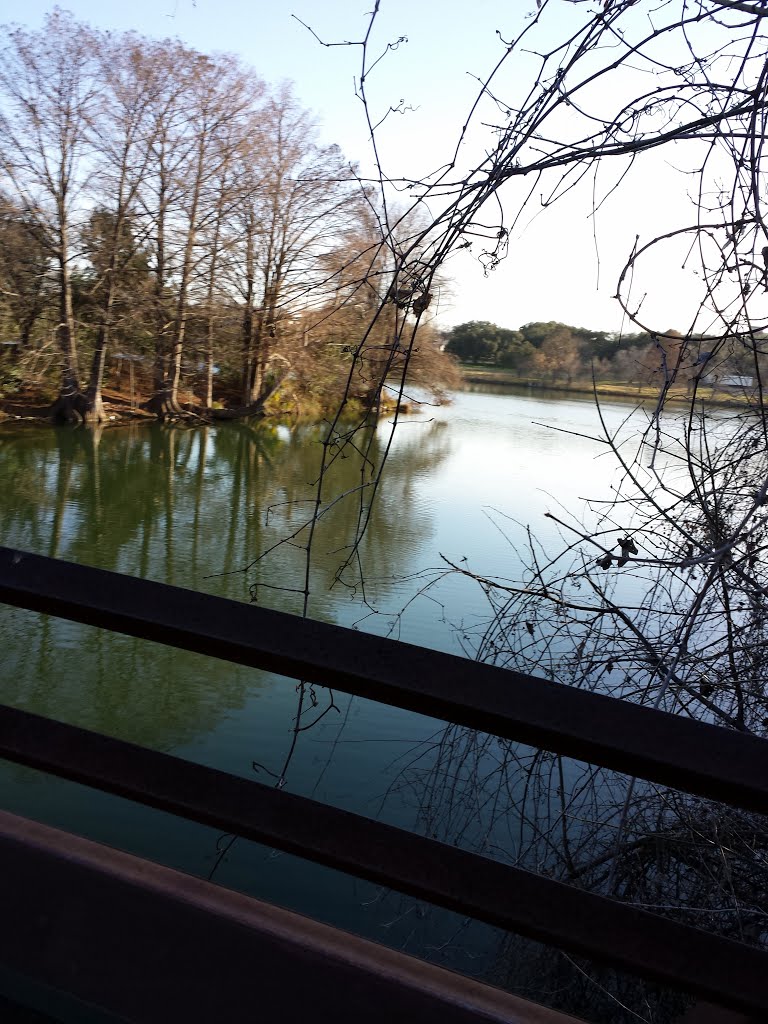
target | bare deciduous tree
x=300, y=198
x=48, y=96
x=122, y=136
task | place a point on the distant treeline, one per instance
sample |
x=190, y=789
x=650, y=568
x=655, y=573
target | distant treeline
x=559, y=353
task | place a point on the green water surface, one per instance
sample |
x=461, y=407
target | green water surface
x=195, y=507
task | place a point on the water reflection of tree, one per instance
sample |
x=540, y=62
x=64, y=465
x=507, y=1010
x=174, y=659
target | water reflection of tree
x=107, y=499
x=179, y=505
x=396, y=530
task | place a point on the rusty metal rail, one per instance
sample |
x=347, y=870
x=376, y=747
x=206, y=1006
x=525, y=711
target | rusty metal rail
x=146, y=943
x=589, y=726
x=498, y=894
x=700, y=758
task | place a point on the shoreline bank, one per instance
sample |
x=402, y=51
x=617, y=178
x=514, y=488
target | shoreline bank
x=604, y=389
x=32, y=408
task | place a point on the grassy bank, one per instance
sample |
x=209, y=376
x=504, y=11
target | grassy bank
x=606, y=389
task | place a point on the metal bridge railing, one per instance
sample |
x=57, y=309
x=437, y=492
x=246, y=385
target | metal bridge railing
x=695, y=757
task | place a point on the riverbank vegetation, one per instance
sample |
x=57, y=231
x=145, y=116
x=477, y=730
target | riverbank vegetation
x=171, y=228
x=634, y=364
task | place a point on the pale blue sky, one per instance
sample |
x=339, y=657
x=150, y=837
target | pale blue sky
x=552, y=270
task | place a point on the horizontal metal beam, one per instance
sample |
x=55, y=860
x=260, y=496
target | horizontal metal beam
x=693, y=756
x=726, y=972
x=148, y=944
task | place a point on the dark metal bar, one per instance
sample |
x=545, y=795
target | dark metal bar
x=705, y=1013
x=149, y=944
x=713, y=968
x=693, y=756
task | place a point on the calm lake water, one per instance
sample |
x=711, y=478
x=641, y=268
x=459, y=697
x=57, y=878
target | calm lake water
x=192, y=507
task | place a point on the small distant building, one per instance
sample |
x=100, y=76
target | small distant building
x=730, y=382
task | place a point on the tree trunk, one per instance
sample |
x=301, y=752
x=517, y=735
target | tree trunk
x=208, y=396
x=253, y=408
x=209, y=341
x=262, y=333
x=256, y=380
x=25, y=339
x=164, y=402
x=175, y=369
x=248, y=324
x=94, y=407
x=249, y=354
x=72, y=406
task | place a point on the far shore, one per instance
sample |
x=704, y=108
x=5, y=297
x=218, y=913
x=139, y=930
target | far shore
x=602, y=389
